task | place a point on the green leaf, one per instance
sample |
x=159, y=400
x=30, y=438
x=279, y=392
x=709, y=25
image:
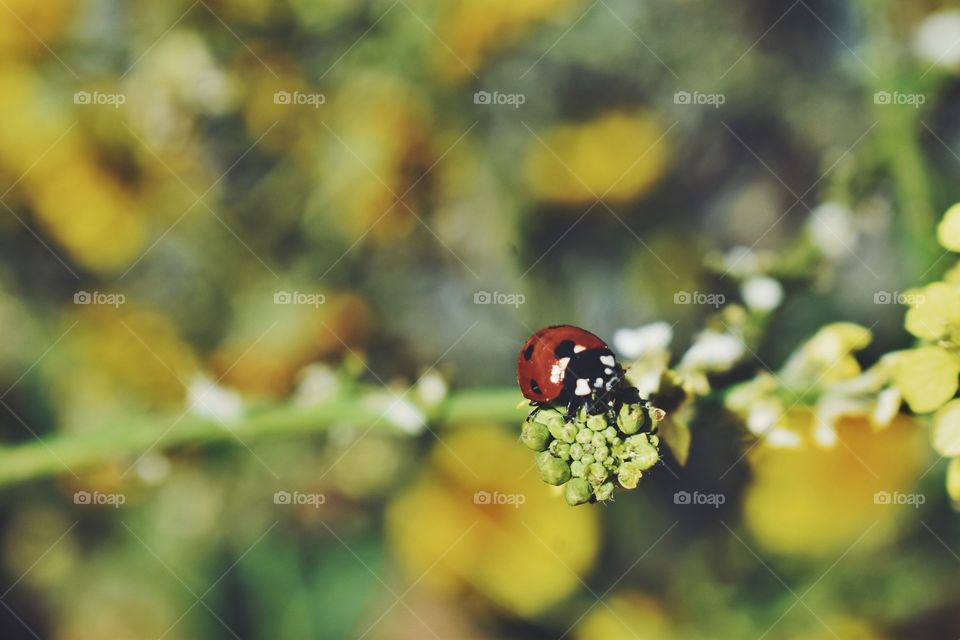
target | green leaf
x=946, y=429
x=927, y=377
x=676, y=434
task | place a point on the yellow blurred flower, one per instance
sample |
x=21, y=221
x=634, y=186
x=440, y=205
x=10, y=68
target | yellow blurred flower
x=820, y=384
x=953, y=481
x=375, y=147
x=617, y=156
x=814, y=501
x=90, y=214
x=115, y=362
x=479, y=517
x=626, y=616
x=934, y=312
x=473, y=29
x=948, y=232
x=263, y=353
x=82, y=205
x=26, y=26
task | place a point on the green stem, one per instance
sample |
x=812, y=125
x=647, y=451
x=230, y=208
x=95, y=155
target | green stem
x=898, y=135
x=75, y=453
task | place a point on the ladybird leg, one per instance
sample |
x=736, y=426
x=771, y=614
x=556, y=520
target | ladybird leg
x=536, y=408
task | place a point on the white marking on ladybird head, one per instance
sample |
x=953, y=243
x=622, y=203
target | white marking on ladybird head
x=558, y=369
x=578, y=348
x=583, y=388
x=607, y=360
x=598, y=383
x=607, y=370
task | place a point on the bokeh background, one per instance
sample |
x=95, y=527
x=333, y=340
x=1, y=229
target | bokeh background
x=217, y=206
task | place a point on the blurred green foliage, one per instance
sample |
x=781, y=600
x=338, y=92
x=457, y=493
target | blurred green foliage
x=265, y=265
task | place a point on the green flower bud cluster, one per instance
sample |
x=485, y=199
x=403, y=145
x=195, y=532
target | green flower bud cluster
x=589, y=455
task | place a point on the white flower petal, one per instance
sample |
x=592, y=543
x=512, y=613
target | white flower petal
x=762, y=293
x=713, y=351
x=634, y=344
x=209, y=400
x=935, y=40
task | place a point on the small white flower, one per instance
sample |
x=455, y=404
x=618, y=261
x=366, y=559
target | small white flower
x=763, y=415
x=762, y=293
x=832, y=228
x=634, y=344
x=741, y=262
x=887, y=407
x=398, y=411
x=713, y=351
x=783, y=438
x=207, y=399
x=153, y=468
x=317, y=384
x=937, y=39
x=431, y=389
x=824, y=434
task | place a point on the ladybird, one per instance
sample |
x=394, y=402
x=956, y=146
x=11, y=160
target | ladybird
x=567, y=365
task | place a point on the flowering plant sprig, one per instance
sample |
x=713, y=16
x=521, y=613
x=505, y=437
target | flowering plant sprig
x=589, y=455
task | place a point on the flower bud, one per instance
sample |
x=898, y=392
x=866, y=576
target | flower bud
x=655, y=415
x=587, y=459
x=576, y=451
x=596, y=473
x=577, y=491
x=642, y=452
x=629, y=475
x=610, y=433
x=605, y=492
x=568, y=433
x=535, y=436
x=551, y=419
x=597, y=422
x=560, y=449
x=552, y=470
x=584, y=436
x=576, y=469
x=631, y=418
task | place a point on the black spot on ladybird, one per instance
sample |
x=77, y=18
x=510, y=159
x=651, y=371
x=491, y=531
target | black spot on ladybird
x=528, y=353
x=535, y=386
x=564, y=349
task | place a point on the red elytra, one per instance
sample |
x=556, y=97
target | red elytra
x=544, y=359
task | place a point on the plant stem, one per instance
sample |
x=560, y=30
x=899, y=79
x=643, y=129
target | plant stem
x=898, y=133
x=75, y=453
